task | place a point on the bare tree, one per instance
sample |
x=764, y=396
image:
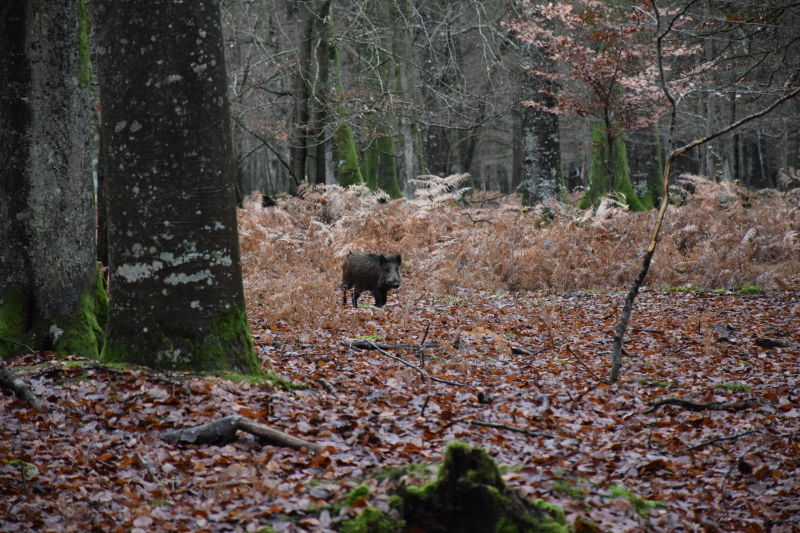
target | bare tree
x=781, y=86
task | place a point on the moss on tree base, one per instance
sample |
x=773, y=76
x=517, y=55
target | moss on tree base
x=225, y=344
x=14, y=334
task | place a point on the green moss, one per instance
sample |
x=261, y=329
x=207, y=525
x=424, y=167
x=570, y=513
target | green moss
x=371, y=520
x=387, y=166
x=562, y=485
x=609, y=172
x=28, y=470
x=750, y=289
x=347, y=172
x=359, y=493
x=687, y=288
x=735, y=387
x=14, y=317
x=84, y=334
x=85, y=76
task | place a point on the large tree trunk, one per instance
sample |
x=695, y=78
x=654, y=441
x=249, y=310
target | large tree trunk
x=49, y=294
x=175, y=282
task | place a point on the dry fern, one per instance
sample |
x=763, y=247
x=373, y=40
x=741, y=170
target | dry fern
x=292, y=252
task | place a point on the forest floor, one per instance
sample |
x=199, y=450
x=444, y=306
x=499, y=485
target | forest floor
x=521, y=374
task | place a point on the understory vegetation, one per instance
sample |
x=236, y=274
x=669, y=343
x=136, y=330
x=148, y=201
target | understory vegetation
x=721, y=236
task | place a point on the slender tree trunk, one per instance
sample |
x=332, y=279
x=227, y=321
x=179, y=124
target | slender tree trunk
x=176, y=296
x=49, y=292
x=302, y=90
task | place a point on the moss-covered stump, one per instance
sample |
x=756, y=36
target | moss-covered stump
x=467, y=496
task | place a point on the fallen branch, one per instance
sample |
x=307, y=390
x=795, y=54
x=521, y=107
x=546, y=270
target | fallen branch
x=698, y=406
x=10, y=381
x=424, y=374
x=368, y=345
x=507, y=427
x=519, y=350
x=721, y=439
x=223, y=431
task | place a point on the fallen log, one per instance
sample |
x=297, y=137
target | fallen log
x=223, y=431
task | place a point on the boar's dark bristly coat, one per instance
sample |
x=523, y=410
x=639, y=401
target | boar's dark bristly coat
x=375, y=273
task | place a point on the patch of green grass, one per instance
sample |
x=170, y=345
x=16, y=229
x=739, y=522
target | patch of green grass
x=369, y=337
x=687, y=288
x=719, y=291
x=734, y=387
x=28, y=470
x=750, y=289
x=640, y=505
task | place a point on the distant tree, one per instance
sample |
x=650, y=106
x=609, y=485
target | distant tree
x=604, y=71
x=175, y=287
x=540, y=148
x=51, y=296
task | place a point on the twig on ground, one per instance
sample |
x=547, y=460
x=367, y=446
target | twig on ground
x=582, y=363
x=328, y=386
x=698, y=406
x=507, y=427
x=424, y=374
x=722, y=439
x=420, y=352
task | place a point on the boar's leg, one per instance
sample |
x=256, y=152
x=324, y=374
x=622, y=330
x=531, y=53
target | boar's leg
x=380, y=298
x=356, y=294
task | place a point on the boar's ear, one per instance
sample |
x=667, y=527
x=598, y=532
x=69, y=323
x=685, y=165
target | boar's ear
x=399, y=259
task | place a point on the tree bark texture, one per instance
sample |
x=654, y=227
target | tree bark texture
x=175, y=285
x=540, y=141
x=49, y=293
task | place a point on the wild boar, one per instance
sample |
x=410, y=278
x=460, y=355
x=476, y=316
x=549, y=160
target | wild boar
x=375, y=273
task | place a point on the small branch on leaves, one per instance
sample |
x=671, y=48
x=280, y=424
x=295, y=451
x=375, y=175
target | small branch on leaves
x=698, y=406
x=425, y=375
x=722, y=439
x=507, y=428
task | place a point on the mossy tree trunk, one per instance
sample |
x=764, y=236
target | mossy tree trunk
x=345, y=151
x=176, y=296
x=49, y=292
x=609, y=167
